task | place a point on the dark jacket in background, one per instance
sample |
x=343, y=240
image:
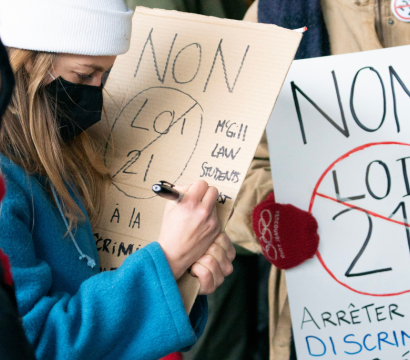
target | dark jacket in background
x=295, y=14
x=13, y=342
x=231, y=9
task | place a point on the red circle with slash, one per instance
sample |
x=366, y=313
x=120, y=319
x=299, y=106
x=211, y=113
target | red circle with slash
x=315, y=194
x=401, y=9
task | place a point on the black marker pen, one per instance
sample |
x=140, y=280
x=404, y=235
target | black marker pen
x=167, y=191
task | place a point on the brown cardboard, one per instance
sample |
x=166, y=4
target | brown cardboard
x=189, y=101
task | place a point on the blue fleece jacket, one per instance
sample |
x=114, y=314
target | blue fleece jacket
x=70, y=310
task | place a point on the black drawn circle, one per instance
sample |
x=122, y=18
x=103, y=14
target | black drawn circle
x=172, y=123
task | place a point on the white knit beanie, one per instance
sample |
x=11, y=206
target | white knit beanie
x=83, y=27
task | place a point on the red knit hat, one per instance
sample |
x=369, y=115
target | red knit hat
x=288, y=235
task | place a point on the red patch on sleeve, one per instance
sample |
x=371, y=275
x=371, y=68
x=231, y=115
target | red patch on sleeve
x=174, y=356
x=5, y=263
x=2, y=188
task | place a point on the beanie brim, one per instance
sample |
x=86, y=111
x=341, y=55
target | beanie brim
x=61, y=27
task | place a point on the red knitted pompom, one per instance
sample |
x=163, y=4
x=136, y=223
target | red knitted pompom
x=288, y=235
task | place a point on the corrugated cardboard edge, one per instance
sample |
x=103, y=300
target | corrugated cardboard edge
x=206, y=19
x=188, y=287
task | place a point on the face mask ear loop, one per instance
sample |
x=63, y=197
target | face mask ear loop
x=90, y=261
x=51, y=75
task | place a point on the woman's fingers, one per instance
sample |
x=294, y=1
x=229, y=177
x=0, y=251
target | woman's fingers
x=221, y=257
x=225, y=243
x=205, y=278
x=188, y=233
x=200, y=191
x=196, y=191
x=183, y=188
x=209, y=274
x=212, y=268
x=210, y=197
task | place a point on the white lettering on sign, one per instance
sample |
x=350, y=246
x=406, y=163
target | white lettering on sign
x=264, y=230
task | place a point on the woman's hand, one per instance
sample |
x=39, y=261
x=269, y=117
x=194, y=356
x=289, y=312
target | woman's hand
x=190, y=227
x=212, y=268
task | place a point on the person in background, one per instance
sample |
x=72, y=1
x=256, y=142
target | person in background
x=334, y=27
x=55, y=178
x=13, y=342
x=231, y=9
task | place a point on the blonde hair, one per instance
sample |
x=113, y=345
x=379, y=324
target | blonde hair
x=30, y=138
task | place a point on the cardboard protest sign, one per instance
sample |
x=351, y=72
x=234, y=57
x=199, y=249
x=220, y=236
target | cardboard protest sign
x=189, y=101
x=339, y=141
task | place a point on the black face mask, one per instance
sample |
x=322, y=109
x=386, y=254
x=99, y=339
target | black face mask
x=6, y=80
x=77, y=106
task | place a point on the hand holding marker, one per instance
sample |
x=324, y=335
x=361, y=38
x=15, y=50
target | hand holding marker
x=216, y=263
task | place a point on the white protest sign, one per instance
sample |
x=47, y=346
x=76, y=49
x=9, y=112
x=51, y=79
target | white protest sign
x=339, y=140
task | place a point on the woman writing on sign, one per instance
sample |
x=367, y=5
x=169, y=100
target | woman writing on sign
x=55, y=176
